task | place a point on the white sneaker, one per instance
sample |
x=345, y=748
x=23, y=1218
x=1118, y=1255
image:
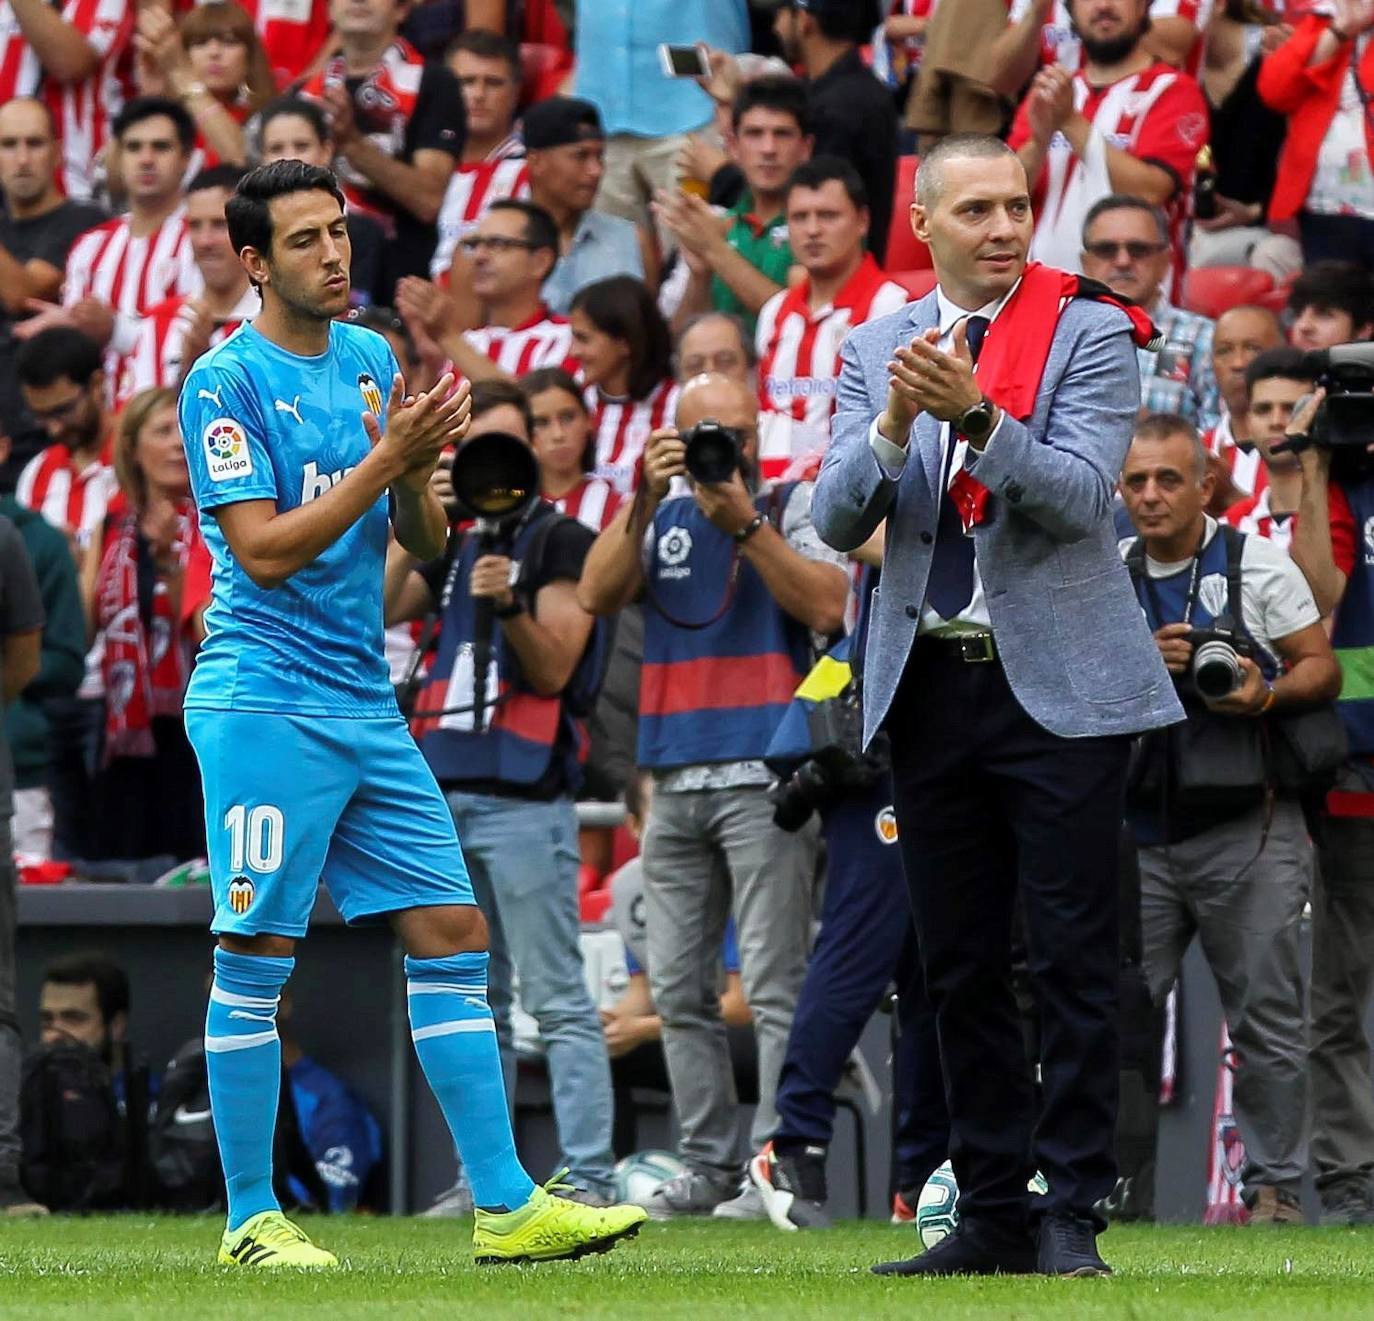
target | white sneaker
x=747, y=1204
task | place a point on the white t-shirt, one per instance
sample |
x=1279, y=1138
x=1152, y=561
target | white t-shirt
x=1276, y=601
x=1343, y=183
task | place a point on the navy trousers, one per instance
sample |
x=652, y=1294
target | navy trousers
x=866, y=942
x=990, y=805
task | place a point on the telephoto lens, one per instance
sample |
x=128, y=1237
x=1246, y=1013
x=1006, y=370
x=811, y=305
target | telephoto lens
x=1216, y=669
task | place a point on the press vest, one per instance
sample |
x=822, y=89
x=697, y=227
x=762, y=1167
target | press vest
x=1352, y=639
x=721, y=661
x=523, y=731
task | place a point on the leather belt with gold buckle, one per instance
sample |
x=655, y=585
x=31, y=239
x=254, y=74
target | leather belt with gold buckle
x=977, y=648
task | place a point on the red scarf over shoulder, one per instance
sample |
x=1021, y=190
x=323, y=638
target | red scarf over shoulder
x=1016, y=348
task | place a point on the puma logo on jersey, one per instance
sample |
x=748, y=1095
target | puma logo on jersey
x=316, y=483
x=293, y=408
x=211, y=395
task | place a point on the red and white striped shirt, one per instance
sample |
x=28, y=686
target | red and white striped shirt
x=131, y=274
x=544, y=340
x=157, y=356
x=593, y=502
x=1256, y=519
x=799, y=361
x=70, y=500
x=1059, y=43
x=471, y=190
x=1158, y=116
x=1245, y=463
x=622, y=428
x=82, y=111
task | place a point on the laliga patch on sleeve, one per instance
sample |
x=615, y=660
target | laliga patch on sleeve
x=226, y=450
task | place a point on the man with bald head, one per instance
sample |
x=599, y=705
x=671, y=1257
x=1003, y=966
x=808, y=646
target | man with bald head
x=38, y=226
x=715, y=342
x=734, y=580
x=1009, y=663
x=1241, y=335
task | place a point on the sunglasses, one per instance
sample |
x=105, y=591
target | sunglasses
x=1135, y=249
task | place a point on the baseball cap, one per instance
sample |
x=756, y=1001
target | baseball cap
x=561, y=120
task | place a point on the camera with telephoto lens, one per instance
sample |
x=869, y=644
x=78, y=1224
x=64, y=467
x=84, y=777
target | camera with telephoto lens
x=1344, y=424
x=714, y=452
x=495, y=479
x=1215, y=670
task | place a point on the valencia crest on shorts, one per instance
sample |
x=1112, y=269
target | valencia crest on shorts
x=240, y=894
x=372, y=394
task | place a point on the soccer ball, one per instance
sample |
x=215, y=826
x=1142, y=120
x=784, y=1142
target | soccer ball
x=637, y=1176
x=936, y=1208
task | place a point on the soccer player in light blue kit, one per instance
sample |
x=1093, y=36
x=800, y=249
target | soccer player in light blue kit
x=299, y=464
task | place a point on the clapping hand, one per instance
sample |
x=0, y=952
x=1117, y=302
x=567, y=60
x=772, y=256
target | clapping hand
x=419, y=427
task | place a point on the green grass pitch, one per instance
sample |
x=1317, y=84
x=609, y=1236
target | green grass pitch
x=111, y=1268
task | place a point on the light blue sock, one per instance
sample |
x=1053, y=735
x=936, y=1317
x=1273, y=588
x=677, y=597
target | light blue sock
x=455, y=1038
x=243, y=1061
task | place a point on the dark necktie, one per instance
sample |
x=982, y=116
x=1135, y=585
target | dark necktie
x=950, y=586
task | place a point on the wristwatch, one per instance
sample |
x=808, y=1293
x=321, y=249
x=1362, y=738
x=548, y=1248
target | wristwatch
x=516, y=607
x=975, y=424
x=749, y=529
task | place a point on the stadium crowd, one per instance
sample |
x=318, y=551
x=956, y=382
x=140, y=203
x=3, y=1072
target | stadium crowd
x=638, y=273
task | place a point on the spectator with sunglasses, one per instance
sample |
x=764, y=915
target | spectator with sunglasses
x=1126, y=247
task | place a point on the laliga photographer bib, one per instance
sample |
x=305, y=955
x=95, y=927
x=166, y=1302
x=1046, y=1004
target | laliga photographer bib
x=721, y=657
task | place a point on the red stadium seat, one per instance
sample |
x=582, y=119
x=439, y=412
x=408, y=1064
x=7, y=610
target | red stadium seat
x=1276, y=300
x=917, y=283
x=905, y=252
x=1212, y=290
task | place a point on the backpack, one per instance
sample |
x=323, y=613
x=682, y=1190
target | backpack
x=185, y=1156
x=73, y=1137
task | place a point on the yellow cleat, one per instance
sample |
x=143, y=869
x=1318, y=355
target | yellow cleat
x=549, y=1228
x=270, y=1241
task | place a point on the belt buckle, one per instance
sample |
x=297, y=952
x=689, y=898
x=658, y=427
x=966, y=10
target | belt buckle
x=977, y=649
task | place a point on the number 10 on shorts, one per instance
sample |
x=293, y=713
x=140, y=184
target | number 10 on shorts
x=256, y=837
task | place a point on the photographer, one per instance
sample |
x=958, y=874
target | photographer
x=1331, y=545
x=735, y=581
x=507, y=758
x=1222, y=853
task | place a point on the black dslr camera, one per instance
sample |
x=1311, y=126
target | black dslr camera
x=1215, y=671
x=837, y=766
x=714, y=452
x=1344, y=423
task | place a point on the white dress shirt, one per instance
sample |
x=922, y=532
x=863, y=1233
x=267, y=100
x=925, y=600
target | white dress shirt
x=974, y=617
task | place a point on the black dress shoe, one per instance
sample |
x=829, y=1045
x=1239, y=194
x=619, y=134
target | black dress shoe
x=981, y=1249
x=1068, y=1246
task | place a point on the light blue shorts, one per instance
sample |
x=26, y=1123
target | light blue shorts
x=293, y=800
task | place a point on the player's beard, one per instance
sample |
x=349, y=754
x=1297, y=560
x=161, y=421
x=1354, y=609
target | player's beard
x=312, y=303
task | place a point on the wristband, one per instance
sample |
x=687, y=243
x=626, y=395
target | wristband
x=749, y=529
x=1269, y=699
x=516, y=607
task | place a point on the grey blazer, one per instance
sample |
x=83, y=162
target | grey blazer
x=1073, y=641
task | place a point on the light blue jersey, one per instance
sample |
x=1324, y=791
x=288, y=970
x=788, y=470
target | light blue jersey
x=261, y=423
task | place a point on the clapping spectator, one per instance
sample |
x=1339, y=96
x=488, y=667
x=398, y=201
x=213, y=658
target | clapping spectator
x=1124, y=123
x=1126, y=247
x=626, y=356
x=738, y=261
x=565, y=445
x=214, y=63
x=147, y=603
x=1318, y=78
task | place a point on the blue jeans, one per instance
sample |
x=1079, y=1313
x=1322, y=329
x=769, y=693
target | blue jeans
x=522, y=857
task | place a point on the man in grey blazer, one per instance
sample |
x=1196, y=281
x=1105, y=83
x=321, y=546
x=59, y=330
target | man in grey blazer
x=1010, y=665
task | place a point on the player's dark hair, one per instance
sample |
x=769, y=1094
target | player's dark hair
x=541, y=233
x=216, y=176
x=1335, y=286
x=249, y=211
x=301, y=109
x=488, y=46
x=780, y=92
x=148, y=107
x=1284, y=364
x=60, y=353
x=555, y=378
x=487, y=395
x=93, y=969
x=623, y=308
x=820, y=170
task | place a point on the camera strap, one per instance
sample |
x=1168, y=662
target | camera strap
x=1135, y=562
